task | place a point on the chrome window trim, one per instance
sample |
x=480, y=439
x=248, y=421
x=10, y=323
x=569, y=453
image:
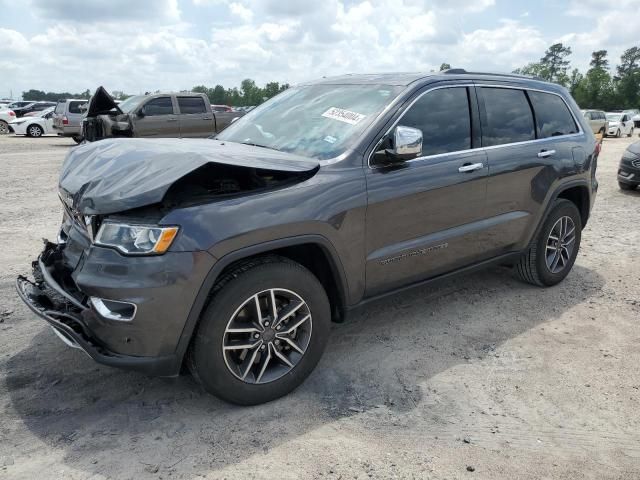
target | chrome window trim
x=478, y=149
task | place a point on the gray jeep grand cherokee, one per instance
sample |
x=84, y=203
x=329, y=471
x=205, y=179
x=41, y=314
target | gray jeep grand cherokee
x=233, y=255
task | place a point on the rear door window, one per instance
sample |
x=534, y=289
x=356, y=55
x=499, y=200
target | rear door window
x=508, y=117
x=444, y=118
x=191, y=105
x=553, y=117
x=159, y=106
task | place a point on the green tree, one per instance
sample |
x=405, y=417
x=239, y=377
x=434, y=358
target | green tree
x=444, y=66
x=597, y=88
x=555, y=63
x=628, y=78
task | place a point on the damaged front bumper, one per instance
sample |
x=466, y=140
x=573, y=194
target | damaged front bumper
x=147, y=342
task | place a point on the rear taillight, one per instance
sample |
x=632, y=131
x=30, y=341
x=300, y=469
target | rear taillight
x=65, y=121
x=12, y=113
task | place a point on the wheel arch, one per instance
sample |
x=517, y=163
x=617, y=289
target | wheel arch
x=314, y=252
x=579, y=196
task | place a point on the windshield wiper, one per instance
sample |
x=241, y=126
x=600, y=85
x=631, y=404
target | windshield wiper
x=258, y=145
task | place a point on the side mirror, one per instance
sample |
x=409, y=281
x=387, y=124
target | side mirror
x=405, y=143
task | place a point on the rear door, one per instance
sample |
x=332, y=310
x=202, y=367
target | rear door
x=159, y=118
x=195, y=120
x=425, y=216
x=530, y=138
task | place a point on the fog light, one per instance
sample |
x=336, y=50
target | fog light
x=114, y=310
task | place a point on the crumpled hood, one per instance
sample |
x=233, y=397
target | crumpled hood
x=120, y=174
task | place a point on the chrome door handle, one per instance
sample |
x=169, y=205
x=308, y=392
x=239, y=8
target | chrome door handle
x=546, y=153
x=470, y=168
x=172, y=119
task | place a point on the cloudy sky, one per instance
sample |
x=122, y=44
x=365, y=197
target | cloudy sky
x=138, y=45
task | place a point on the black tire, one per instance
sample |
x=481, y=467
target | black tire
x=626, y=186
x=34, y=131
x=4, y=128
x=618, y=134
x=630, y=133
x=77, y=138
x=532, y=266
x=206, y=359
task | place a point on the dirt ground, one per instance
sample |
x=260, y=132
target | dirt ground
x=479, y=373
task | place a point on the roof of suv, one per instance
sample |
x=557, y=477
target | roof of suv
x=407, y=78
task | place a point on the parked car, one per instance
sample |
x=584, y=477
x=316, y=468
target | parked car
x=232, y=255
x=19, y=104
x=34, y=126
x=634, y=114
x=619, y=124
x=67, y=118
x=33, y=107
x=597, y=120
x=184, y=115
x=629, y=169
x=6, y=116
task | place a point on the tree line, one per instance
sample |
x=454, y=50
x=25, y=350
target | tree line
x=246, y=95
x=597, y=88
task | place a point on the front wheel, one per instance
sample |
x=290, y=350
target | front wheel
x=618, y=134
x=34, y=131
x=263, y=332
x=552, y=253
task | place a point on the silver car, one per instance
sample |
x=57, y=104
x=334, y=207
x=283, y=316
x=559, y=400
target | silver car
x=67, y=118
x=597, y=120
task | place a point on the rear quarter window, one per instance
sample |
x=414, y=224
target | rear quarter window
x=508, y=116
x=60, y=107
x=553, y=117
x=74, y=107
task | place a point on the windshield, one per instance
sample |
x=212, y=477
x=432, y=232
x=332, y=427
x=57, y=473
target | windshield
x=319, y=121
x=130, y=104
x=614, y=117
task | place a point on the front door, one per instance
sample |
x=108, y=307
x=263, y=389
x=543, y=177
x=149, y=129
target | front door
x=425, y=216
x=158, y=119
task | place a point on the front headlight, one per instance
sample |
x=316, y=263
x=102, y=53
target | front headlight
x=136, y=239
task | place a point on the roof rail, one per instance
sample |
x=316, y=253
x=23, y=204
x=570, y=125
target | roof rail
x=454, y=71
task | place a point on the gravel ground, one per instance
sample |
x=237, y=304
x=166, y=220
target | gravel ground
x=478, y=377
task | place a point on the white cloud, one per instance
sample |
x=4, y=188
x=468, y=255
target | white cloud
x=150, y=45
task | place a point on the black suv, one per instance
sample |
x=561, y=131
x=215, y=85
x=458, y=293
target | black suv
x=629, y=169
x=233, y=255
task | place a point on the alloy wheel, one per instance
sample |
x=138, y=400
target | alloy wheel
x=267, y=336
x=560, y=244
x=35, y=131
x=4, y=128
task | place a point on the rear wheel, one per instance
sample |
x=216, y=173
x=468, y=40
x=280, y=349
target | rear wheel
x=553, y=251
x=263, y=332
x=35, y=131
x=77, y=138
x=4, y=127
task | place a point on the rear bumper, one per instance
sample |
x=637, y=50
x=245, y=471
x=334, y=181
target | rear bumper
x=67, y=130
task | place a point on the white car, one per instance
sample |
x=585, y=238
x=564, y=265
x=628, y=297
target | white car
x=6, y=116
x=619, y=124
x=34, y=126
